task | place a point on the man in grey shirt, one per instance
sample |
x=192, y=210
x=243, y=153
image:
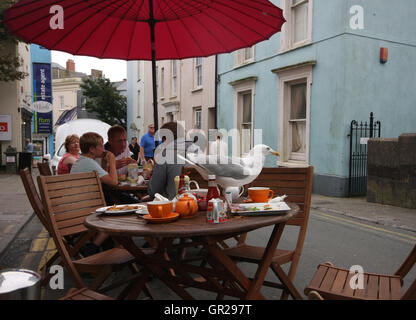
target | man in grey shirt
x=167, y=165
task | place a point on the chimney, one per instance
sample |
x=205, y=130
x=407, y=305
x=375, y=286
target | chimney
x=96, y=73
x=70, y=65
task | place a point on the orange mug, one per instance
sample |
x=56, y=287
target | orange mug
x=160, y=209
x=260, y=194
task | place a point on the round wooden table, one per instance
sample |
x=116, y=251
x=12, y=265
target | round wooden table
x=209, y=235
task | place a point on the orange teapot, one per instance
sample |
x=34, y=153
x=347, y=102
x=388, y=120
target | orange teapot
x=186, y=206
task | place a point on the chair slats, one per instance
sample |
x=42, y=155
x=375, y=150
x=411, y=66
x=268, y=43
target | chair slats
x=395, y=288
x=75, y=198
x=328, y=281
x=384, y=288
x=90, y=204
x=44, y=169
x=72, y=192
x=339, y=281
x=372, y=287
x=71, y=184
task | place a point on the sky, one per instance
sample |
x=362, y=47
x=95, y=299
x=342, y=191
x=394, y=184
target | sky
x=115, y=70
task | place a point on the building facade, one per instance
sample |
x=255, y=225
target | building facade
x=304, y=86
x=15, y=112
x=185, y=91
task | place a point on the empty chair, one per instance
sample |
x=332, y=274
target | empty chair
x=296, y=183
x=44, y=169
x=333, y=283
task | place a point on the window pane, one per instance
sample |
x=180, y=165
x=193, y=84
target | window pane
x=247, y=108
x=298, y=101
x=245, y=138
x=248, y=53
x=299, y=136
x=300, y=22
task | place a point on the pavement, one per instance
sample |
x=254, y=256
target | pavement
x=16, y=211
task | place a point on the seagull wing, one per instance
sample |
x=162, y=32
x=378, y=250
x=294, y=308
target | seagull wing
x=221, y=166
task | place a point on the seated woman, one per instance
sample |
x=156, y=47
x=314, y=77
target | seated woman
x=71, y=155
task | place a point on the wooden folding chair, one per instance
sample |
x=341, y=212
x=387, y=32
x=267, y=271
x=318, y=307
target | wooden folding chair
x=68, y=200
x=333, y=283
x=44, y=169
x=296, y=183
x=37, y=207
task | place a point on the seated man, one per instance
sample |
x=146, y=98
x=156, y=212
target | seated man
x=167, y=167
x=92, y=146
x=117, y=144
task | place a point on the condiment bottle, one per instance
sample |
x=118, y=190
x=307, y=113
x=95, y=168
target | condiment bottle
x=182, y=185
x=213, y=192
x=187, y=180
x=177, y=179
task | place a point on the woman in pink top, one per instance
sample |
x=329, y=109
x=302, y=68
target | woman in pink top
x=71, y=155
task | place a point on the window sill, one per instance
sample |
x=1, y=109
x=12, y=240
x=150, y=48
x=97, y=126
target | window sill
x=295, y=47
x=292, y=164
x=196, y=89
x=246, y=63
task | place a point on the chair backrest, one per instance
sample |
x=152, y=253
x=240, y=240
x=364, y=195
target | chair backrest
x=33, y=196
x=44, y=169
x=68, y=200
x=404, y=269
x=296, y=183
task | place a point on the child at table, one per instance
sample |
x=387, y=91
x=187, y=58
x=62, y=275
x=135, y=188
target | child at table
x=92, y=146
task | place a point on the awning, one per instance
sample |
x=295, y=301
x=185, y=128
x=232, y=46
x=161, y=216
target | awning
x=67, y=115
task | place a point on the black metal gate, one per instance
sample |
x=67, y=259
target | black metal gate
x=359, y=135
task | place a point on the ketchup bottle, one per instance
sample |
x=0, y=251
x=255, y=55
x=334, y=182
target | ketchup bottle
x=212, y=188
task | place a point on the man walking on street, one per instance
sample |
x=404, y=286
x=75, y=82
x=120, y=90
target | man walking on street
x=147, y=145
x=28, y=146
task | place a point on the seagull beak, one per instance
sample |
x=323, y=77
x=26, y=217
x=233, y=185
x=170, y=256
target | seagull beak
x=275, y=153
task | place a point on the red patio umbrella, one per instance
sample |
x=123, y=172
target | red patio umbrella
x=144, y=29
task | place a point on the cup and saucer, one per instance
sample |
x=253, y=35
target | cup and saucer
x=160, y=212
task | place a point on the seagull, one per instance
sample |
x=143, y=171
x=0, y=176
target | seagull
x=231, y=171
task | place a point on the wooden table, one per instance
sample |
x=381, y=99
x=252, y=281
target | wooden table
x=220, y=274
x=138, y=190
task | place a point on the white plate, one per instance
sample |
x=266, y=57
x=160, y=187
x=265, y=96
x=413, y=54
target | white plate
x=259, y=208
x=117, y=212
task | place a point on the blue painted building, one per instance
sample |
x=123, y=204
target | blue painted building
x=305, y=85
x=41, y=80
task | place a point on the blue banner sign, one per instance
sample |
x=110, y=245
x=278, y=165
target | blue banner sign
x=42, y=87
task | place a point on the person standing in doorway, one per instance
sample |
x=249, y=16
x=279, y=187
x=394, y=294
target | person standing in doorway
x=147, y=145
x=134, y=147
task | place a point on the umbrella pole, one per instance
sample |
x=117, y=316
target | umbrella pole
x=152, y=23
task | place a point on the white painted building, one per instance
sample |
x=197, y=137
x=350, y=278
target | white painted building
x=186, y=92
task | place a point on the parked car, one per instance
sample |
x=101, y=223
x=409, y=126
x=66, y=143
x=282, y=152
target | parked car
x=78, y=127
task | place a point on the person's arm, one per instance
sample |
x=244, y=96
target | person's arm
x=111, y=178
x=141, y=155
x=69, y=161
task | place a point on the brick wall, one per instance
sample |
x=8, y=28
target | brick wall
x=392, y=171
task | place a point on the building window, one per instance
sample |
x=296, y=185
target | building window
x=244, y=92
x=244, y=56
x=198, y=118
x=297, y=31
x=62, y=102
x=174, y=78
x=198, y=72
x=162, y=83
x=245, y=121
x=294, y=116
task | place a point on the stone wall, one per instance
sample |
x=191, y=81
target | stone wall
x=392, y=171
